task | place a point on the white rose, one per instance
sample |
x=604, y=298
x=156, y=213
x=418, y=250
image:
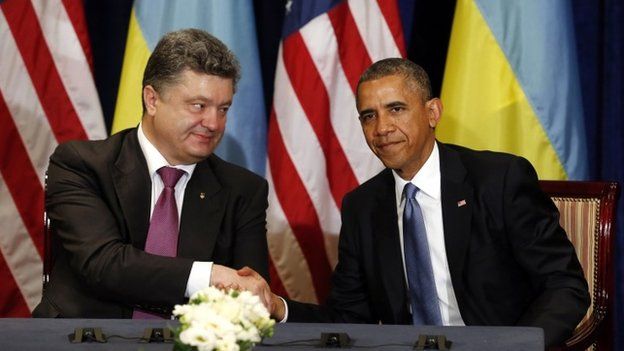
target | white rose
x=202, y=338
x=248, y=335
x=227, y=343
x=230, y=310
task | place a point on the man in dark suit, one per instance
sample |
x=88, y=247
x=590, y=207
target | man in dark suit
x=494, y=253
x=134, y=242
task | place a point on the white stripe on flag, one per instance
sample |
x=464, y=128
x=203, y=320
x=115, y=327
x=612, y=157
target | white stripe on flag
x=23, y=103
x=374, y=30
x=19, y=234
x=284, y=248
x=322, y=44
x=72, y=65
x=304, y=149
x=19, y=250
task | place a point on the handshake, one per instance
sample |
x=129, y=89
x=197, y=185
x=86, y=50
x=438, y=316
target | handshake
x=247, y=279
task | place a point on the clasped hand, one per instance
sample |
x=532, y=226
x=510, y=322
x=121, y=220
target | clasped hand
x=248, y=279
x=244, y=279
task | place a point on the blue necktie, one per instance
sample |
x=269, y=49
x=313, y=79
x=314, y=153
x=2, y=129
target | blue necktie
x=422, y=289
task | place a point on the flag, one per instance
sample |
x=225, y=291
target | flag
x=47, y=96
x=233, y=22
x=511, y=84
x=316, y=148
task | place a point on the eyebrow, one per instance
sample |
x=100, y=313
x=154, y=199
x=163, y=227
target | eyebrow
x=203, y=98
x=363, y=112
x=391, y=104
x=395, y=104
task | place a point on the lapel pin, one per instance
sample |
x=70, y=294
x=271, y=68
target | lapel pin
x=461, y=203
x=202, y=195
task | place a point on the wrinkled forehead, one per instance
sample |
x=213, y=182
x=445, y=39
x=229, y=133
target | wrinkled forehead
x=395, y=83
x=196, y=81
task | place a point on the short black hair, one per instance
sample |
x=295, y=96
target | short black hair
x=415, y=75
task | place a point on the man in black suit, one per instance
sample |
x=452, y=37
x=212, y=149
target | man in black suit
x=495, y=251
x=104, y=197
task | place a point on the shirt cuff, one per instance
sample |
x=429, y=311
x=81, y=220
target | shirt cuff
x=285, y=319
x=199, y=277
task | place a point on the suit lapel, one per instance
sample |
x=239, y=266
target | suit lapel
x=202, y=213
x=457, y=201
x=386, y=234
x=133, y=186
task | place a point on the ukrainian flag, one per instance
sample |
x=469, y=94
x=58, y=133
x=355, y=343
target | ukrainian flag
x=233, y=22
x=511, y=84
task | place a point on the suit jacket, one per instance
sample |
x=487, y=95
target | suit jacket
x=510, y=262
x=98, y=200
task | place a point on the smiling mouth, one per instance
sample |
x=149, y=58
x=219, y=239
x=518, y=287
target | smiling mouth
x=204, y=137
x=386, y=145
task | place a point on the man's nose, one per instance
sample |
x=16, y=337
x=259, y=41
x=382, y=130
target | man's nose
x=384, y=124
x=210, y=119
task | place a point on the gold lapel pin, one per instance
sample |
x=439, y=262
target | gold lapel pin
x=202, y=195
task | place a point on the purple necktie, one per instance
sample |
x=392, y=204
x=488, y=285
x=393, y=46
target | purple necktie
x=162, y=236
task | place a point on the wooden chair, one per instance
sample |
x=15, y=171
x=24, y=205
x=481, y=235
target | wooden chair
x=587, y=213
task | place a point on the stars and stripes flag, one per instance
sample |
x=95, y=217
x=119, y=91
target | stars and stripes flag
x=47, y=96
x=316, y=149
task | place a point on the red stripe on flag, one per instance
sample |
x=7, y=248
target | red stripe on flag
x=24, y=25
x=314, y=100
x=20, y=177
x=353, y=54
x=75, y=11
x=276, y=282
x=299, y=210
x=12, y=303
x=390, y=11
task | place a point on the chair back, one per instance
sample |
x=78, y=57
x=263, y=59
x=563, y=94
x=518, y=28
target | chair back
x=587, y=213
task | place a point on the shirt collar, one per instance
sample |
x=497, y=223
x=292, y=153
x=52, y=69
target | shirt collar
x=427, y=179
x=155, y=160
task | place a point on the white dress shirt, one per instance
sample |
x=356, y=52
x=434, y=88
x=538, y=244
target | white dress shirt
x=429, y=198
x=430, y=201
x=199, y=277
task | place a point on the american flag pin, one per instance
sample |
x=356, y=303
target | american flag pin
x=461, y=203
x=202, y=195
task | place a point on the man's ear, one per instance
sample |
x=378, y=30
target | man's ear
x=434, y=111
x=150, y=96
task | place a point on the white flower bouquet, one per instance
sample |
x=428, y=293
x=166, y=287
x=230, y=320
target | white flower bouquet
x=222, y=320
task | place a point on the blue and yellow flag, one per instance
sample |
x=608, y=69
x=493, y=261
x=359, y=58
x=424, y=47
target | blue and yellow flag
x=511, y=84
x=233, y=23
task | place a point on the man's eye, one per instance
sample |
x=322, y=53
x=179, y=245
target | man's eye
x=224, y=110
x=197, y=106
x=396, y=109
x=366, y=117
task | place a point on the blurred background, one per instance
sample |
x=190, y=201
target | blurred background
x=541, y=79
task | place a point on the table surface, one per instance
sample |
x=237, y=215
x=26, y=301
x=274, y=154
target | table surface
x=52, y=334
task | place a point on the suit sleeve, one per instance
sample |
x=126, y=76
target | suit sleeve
x=96, y=249
x=250, y=247
x=349, y=299
x=543, y=249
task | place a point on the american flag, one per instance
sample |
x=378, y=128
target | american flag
x=316, y=149
x=47, y=96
